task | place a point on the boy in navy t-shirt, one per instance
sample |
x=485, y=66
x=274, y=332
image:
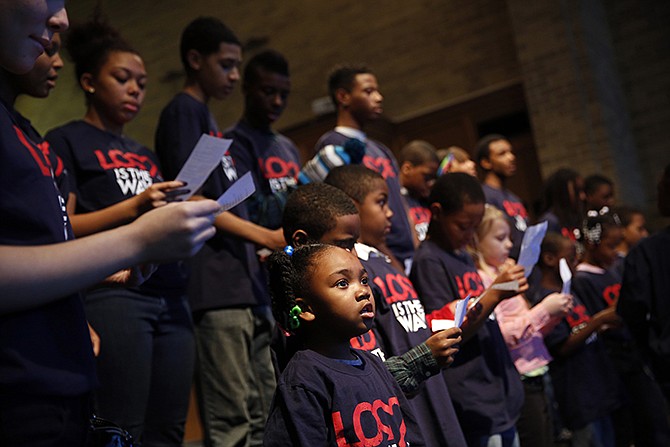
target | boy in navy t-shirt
x=224, y=322
x=400, y=321
x=418, y=170
x=496, y=158
x=356, y=95
x=483, y=382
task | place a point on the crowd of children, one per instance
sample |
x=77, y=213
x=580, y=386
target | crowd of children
x=391, y=311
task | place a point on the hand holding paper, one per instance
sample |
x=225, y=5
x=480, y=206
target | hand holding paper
x=204, y=158
x=566, y=275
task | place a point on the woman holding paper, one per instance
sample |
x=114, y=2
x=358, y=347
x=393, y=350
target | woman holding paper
x=147, y=351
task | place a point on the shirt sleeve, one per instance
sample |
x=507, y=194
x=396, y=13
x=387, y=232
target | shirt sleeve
x=636, y=295
x=176, y=136
x=412, y=368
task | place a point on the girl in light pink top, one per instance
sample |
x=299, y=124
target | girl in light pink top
x=522, y=327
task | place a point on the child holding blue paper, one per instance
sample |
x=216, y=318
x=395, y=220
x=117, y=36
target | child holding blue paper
x=483, y=383
x=522, y=327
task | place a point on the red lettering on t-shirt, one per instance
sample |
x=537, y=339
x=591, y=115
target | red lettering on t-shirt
x=470, y=283
x=365, y=342
x=380, y=165
x=374, y=408
x=275, y=167
x=611, y=294
x=420, y=214
x=515, y=209
x=115, y=158
x=578, y=316
x=35, y=152
x=395, y=287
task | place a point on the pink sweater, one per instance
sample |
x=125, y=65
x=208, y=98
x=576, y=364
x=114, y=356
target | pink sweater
x=523, y=329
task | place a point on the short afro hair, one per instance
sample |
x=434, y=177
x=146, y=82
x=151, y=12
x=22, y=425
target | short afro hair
x=356, y=181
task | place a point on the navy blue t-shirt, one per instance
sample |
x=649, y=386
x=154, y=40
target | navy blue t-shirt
x=517, y=216
x=321, y=401
x=380, y=159
x=586, y=384
x=274, y=163
x=224, y=261
x=106, y=169
x=484, y=384
x=181, y=124
x=401, y=324
x=45, y=350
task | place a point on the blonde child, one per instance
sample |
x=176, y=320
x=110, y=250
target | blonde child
x=522, y=327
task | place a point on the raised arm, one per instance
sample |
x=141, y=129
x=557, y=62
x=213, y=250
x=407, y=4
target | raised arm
x=32, y=276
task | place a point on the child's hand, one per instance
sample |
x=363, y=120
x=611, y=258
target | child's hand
x=558, y=304
x=156, y=196
x=607, y=319
x=444, y=345
x=511, y=272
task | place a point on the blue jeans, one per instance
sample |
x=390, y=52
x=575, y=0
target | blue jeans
x=146, y=361
x=232, y=376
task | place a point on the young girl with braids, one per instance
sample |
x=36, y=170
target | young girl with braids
x=330, y=394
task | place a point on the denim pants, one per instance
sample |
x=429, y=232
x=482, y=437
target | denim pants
x=146, y=361
x=232, y=381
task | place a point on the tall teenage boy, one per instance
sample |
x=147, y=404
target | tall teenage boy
x=356, y=95
x=496, y=158
x=273, y=161
x=224, y=322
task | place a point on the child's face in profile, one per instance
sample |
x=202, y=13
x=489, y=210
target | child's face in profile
x=375, y=215
x=496, y=243
x=602, y=196
x=345, y=233
x=419, y=179
x=636, y=230
x=468, y=166
x=457, y=229
x=605, y=253
x=340, y=297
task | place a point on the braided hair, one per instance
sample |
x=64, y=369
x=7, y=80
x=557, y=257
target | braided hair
x=596, y=224
x=289, y=276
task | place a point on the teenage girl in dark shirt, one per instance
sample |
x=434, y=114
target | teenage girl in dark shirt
x=146, y=331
